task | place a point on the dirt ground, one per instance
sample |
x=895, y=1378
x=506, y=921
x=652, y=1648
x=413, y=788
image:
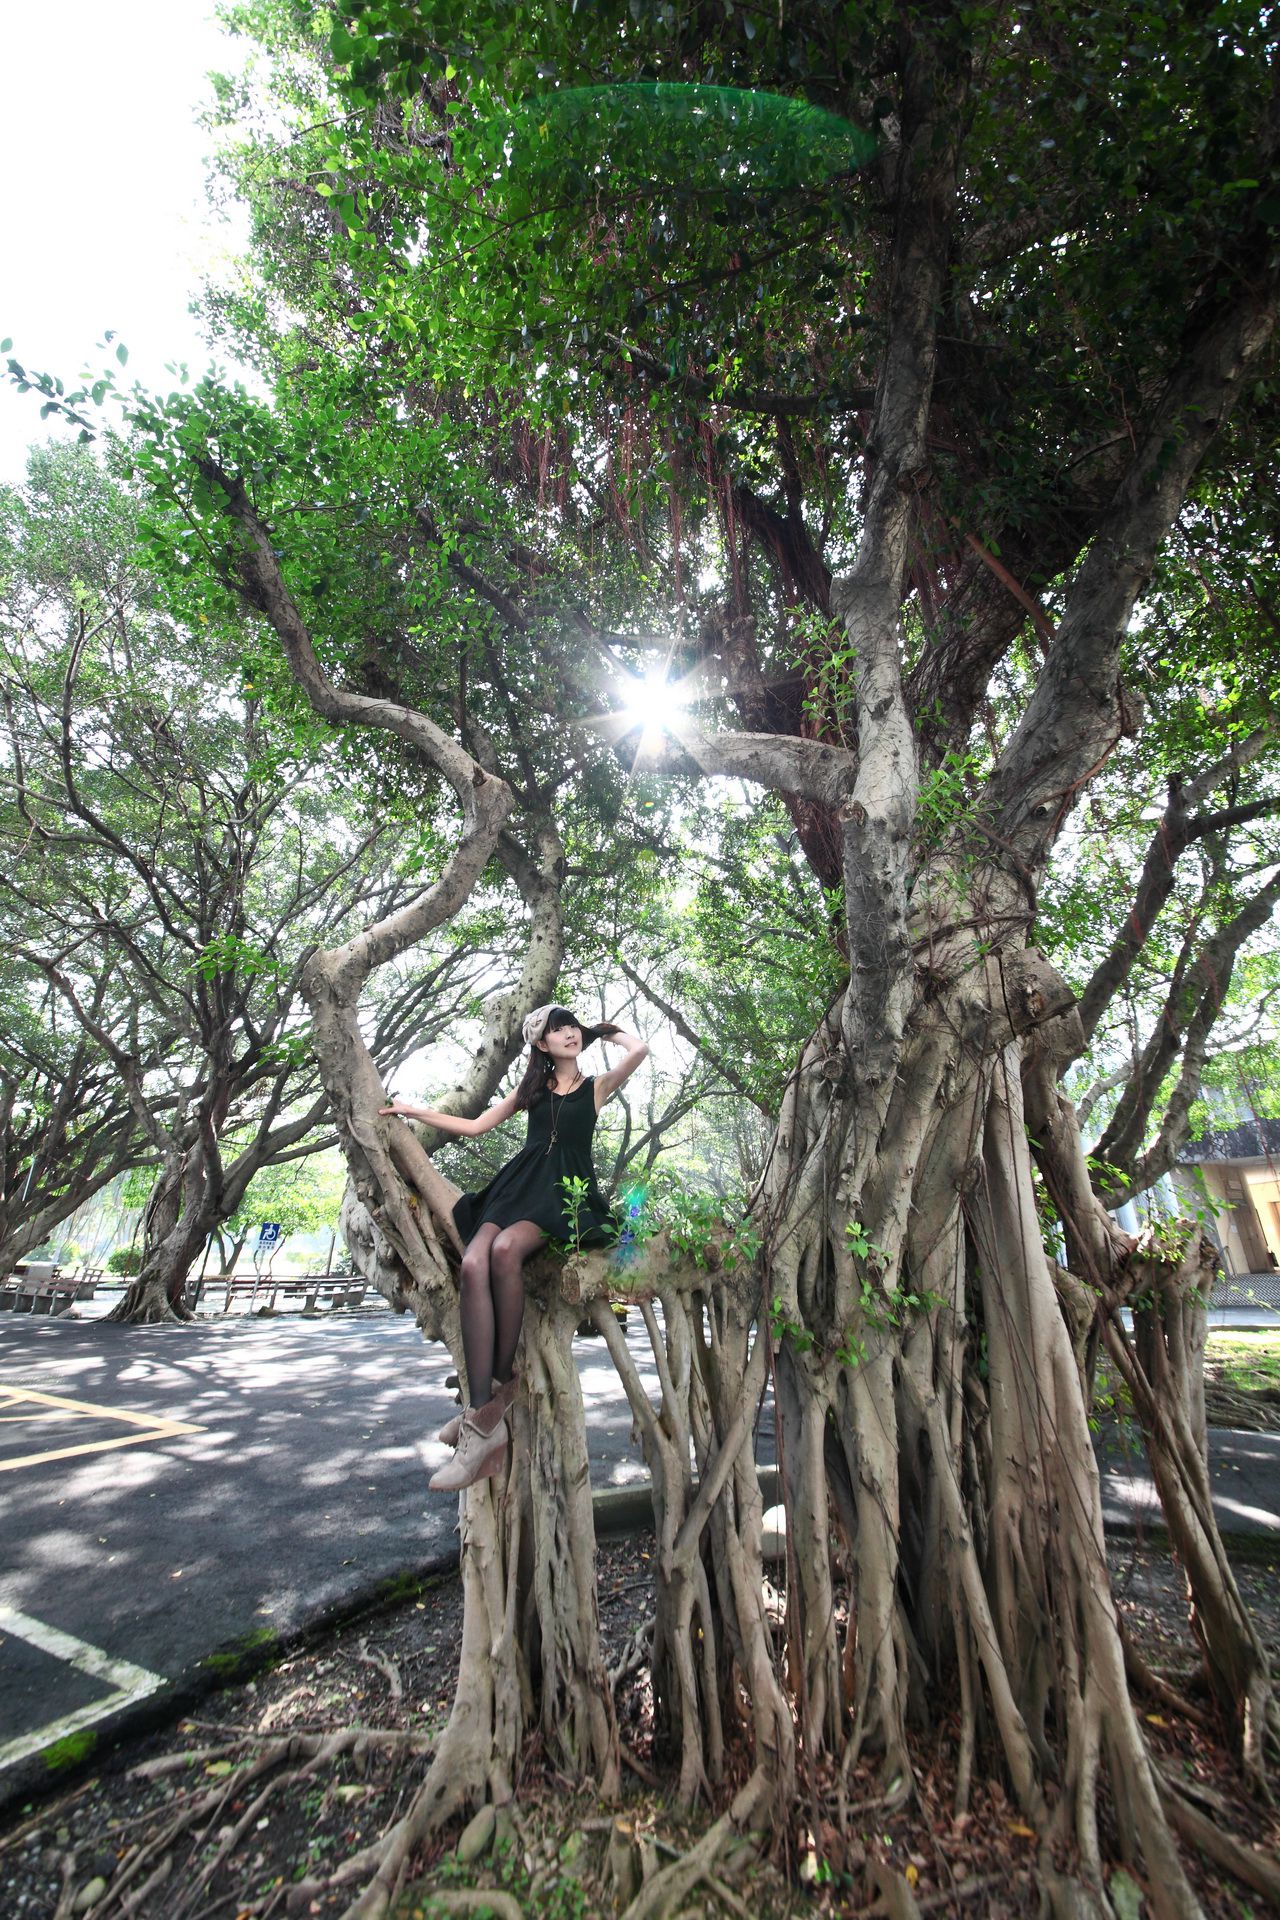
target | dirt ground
x=172, y=1826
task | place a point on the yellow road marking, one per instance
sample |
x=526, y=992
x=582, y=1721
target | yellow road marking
x=89, y=1406
x=151, y=1427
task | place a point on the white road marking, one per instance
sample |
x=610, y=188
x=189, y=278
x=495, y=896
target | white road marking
x=128, y=1682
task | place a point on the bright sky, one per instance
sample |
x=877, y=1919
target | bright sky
x=106, y=218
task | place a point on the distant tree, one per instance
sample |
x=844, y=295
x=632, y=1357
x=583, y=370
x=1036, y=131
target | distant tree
x=159, y=829
x=66, y=1125
x=299, y=1196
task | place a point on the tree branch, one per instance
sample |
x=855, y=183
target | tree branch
x=677, y=1020
x=1077, y=713
x=1177, y=830
x=484, y=799
x=1185, y=1025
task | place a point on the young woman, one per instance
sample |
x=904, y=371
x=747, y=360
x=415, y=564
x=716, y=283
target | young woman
x=524, y=1204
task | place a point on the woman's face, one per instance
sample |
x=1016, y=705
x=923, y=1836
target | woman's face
x=563, y=1043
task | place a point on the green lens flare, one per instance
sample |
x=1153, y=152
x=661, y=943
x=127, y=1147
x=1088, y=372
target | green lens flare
x=684, y=136
x=633, y=1198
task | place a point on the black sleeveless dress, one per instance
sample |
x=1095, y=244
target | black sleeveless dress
x=528, y=1187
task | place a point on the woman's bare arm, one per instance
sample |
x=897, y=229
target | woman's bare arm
x=608, y=1083
x=453, y=1123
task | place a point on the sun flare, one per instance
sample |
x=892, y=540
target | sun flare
x=652, y=704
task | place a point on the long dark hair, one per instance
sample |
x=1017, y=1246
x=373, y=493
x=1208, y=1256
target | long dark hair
x=541, y=1067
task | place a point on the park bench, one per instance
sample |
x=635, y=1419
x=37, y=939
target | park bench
x=337, y=1290
x=43, y=1288
x=315, y=1290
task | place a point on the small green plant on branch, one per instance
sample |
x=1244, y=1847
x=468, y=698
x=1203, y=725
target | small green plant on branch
x=575, y=1189
x=787, y=1331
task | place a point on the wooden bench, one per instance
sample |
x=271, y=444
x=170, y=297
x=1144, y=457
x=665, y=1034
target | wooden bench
x=337, y=1290
x=334, y=1290
x=38, y=1291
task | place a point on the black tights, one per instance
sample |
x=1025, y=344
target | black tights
x=492, y=1302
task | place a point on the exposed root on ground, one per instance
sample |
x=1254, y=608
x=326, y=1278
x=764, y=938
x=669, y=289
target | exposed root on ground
x=163, y=1313
x=147, y=1864
x=1146, y=1681
x=666, y=1889
x=492, y=1902
x=1250, y=1867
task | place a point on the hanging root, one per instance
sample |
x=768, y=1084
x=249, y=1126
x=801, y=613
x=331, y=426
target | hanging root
x=636, y=1654
x=1145, y=1680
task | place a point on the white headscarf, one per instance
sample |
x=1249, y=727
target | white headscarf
x=535, y=1023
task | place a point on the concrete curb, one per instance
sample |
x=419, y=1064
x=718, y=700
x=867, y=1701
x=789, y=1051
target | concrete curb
x=620, y=1510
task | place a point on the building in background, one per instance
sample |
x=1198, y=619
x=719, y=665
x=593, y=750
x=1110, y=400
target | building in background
x=1238, y=1169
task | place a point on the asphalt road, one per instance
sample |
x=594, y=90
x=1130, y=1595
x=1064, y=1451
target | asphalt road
x=171, y=1494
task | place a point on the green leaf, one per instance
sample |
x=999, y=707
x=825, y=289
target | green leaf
x=1126, y=1895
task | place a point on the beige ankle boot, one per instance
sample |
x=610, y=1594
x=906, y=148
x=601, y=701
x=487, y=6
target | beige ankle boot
x=451, y=1431
x=482, y=1449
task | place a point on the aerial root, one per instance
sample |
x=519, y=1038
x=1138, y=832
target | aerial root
x=370, y=1657
x=1065, y=1898
x=492, y=1902
x=636, y=1654
x=929, y=1902
x=1146, y=1681
x=67, y=1892
x=896, y=1898
x=458, y=1774
x=138, y=1899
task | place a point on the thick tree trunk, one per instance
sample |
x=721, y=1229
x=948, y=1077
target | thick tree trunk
x=173, y=1232
x=929, y=1382
x=1162, y=1364
x=194, y=1195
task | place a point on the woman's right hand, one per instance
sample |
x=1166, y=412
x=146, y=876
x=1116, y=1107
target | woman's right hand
x=403, y=1107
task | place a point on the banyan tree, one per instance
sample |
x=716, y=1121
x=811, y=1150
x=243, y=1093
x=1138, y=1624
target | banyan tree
x=886, y=449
